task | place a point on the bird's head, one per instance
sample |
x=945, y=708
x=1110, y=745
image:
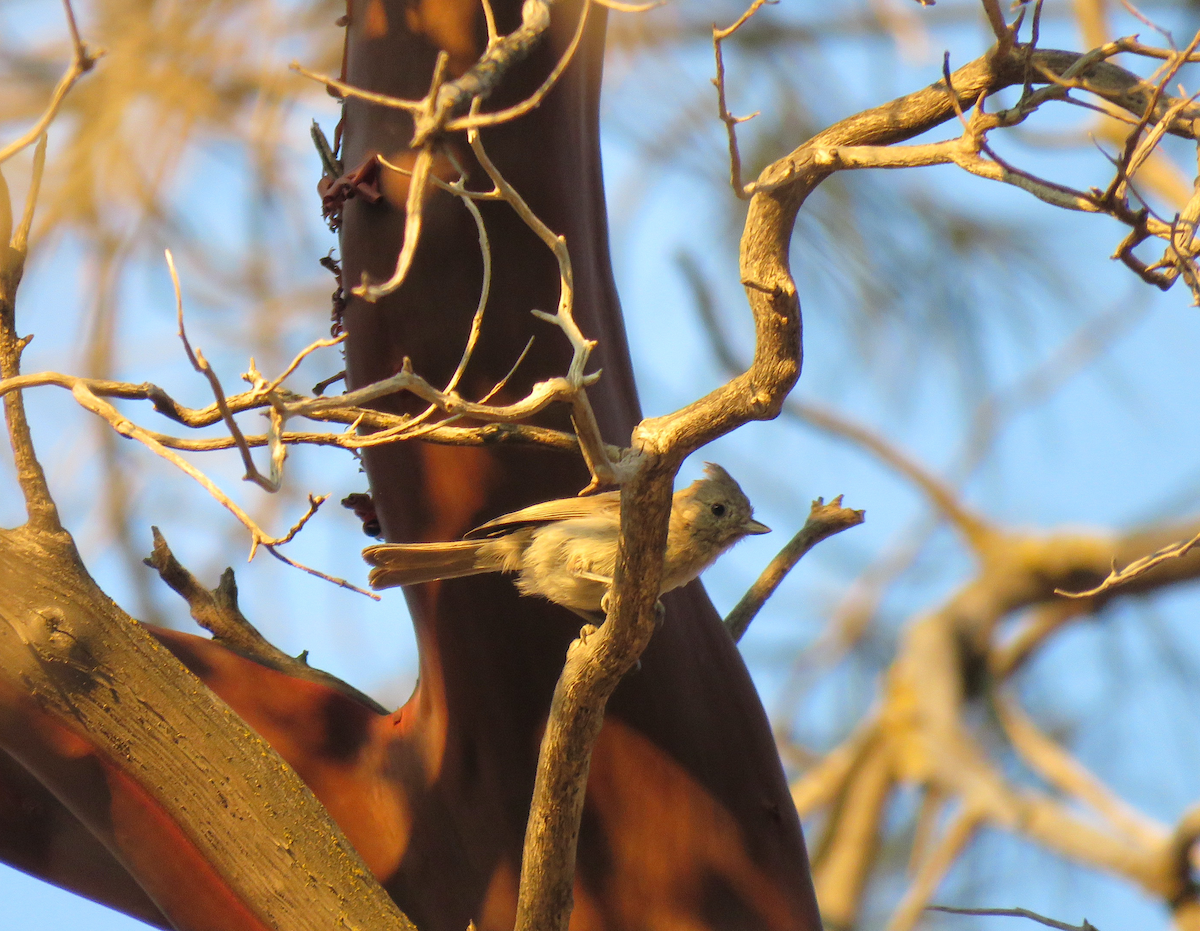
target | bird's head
x=714, y=512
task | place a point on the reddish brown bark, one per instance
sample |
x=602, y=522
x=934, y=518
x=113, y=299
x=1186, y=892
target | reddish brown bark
x=688, y=819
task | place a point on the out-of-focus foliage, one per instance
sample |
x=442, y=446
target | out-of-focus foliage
x=189, y=134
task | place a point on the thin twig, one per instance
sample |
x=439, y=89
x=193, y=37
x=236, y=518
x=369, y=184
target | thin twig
x=619, y=7
x=743, y=191
x=534, y=100
x=483, y=77
x=1145, y=20
x=1013, y=913
x=459, y=189
x=301, y=356
x=82, y=60
x=489, y=18
x=1137, y=568
x=1172, y=67
x=131, y=430
x=723, y=34
x=349, y=90
x=995, y=17
x=217, y=612
x=824, y=520
x=414, y=206
x=20, y=239
x=339, y=582
x=499, y=386
x=336, y=410
x=200, y=364
x=603, y=470
x=40, y=509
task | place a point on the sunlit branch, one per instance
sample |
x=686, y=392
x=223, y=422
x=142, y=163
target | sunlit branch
x=735, y=159
x=933, y=869
x=200, y=364
x=824, y=520
x=534, y=100
x=82, y=61
x=1137, y=568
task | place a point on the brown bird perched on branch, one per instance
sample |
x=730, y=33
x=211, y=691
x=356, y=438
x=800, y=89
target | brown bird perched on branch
x=566, y=550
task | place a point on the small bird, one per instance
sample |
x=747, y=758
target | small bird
x=566, y=550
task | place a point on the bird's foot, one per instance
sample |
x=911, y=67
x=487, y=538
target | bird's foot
x=584, y=632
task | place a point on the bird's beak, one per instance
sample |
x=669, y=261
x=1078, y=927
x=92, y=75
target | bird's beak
x=756, y=527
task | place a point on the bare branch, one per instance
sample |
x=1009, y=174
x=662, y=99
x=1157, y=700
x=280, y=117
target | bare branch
x=595, y=664
x=126, y=428
x=40, y=509
x=334, y=411
x=200, y=364
x=731, y=121
x=414, y=207
x=349, y=90
x=824, y=520
x=217, y=612
x=82, y=60
x=1137, y=568
x=1014, y=913
x=534, y=100
x=20, y=238
x=603, y=469
x=483, y=77
x=619, y=7
x=995, y=18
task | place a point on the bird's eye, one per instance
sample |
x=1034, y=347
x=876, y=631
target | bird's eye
x=718, y=509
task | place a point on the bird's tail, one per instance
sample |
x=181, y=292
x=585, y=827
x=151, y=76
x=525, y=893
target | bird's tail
x=413, y=563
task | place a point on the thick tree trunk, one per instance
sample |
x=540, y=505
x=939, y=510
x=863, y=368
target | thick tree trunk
x=688, y=819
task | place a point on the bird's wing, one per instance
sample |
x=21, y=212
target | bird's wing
x=561, y=509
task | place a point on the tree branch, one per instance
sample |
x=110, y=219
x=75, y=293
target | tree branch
x=217, y=612
x=40, y=509
x=824, y=520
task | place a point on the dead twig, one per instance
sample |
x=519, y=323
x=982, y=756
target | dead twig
x=40, y=509
x=414, y=207
x=1013, y=913
x=200, y=364
x=604, y=470
x=824, y=520
x=735, y=159
x=1137, y=568
x=259, y=537
x=534, y=100
x=217, y=612
x=82, y=61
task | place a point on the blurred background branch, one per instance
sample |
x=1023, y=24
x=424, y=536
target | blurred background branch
x=955, y=731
